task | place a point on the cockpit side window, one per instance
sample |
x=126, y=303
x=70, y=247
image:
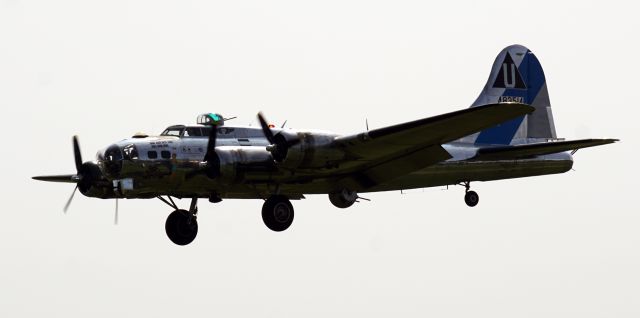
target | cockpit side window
x=192, y=132
x=130, y=152
x=172, y=131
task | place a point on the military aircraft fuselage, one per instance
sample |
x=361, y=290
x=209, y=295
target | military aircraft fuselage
x=150, y=166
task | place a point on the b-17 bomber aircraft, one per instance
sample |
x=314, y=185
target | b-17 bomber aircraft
x=508, y=132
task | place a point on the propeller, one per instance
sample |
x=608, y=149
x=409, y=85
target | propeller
x=266, y=130
x=66, y=206
x=78, y=177
x=211, y=163
x=76, y=154
x=86, y=174
x=211, y=144
x=211, y=159
x=279, y=144
x=115, y=220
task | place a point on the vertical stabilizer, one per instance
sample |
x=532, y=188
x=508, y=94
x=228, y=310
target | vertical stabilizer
x=517, y=76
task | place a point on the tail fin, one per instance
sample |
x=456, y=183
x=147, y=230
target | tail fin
x=517, y=76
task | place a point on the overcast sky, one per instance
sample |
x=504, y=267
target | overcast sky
x=556, y=246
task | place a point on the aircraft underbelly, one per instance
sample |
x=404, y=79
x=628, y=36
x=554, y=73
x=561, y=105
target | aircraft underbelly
x=445, y=173
x=448, y=173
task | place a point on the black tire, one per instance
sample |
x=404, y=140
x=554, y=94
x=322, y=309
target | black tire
x=277, y=213
x=338, y=200
x=471, y=198
x=181, y=227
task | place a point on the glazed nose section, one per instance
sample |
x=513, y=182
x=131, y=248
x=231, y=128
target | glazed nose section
x=113, y=161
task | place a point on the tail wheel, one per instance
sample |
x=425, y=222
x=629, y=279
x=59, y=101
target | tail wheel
x=277, y=213
x=471, y=198
x=181, y=227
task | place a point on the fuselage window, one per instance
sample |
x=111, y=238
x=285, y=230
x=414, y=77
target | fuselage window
x=165, y=154
x=152, y=154
x=130, y=152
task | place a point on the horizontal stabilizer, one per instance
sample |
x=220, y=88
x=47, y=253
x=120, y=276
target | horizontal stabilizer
x=537, y=149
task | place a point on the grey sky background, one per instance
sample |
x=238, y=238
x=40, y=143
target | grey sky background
x=554, y=246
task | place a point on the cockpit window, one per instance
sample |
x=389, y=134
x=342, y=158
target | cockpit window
x=130, y=152
x=192, y=132
x=172, y=131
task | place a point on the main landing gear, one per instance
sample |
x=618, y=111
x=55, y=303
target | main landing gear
x=182, y=225
x=471, y=198
x=277, y=213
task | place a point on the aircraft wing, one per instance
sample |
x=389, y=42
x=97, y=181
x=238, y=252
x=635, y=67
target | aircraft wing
x=382, y=154
x=429, y=131
x=537, y=149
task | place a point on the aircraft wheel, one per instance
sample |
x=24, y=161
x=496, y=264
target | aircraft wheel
x=471, y=198
x=277, y=213
x=181, y=227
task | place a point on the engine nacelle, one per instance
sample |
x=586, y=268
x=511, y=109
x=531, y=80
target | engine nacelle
x=310, y=150
x=93, y=183
x=343, y=199
x=233, y=162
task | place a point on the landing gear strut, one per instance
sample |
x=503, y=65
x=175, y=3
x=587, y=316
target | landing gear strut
x=182, y=225
x=471, y=198
x=277, y=213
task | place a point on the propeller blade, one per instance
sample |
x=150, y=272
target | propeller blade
x=70, y=178
x=211, y=143
x=115, y=220
x=76, y=153
x=279, y=146
x=265, y=128
x=66, y=206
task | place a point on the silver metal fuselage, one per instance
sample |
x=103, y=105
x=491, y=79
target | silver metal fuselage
x=163, y=165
